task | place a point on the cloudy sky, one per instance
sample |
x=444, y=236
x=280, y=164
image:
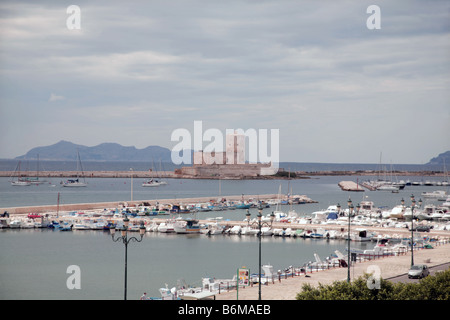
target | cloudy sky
x=136, y=71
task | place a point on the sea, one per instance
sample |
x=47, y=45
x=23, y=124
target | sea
x=37, y=264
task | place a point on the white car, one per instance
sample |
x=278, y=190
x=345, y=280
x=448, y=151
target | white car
x=418, y=271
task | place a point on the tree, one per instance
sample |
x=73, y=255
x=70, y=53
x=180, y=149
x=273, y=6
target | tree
x=430, y=288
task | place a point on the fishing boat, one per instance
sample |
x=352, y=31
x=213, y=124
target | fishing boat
x=187, y=226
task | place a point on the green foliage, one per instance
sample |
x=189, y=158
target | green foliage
x=430, y=288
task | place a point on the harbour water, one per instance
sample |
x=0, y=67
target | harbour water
x=34, y=262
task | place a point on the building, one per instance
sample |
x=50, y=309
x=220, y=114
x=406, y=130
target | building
x=229, y=164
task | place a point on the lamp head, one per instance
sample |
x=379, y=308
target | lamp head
x=259, y=216
x=142, y=229
x=272, y=217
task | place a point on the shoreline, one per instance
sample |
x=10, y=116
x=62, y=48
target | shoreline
x=388, y=267
x=282, y=175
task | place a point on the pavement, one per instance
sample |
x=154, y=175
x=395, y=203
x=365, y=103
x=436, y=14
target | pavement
x=386, y=268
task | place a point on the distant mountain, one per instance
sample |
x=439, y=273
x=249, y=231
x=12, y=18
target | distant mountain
x=443, y=158
x=65, y=150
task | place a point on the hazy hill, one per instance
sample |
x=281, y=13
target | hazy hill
x=65, y=150
x=443, y=158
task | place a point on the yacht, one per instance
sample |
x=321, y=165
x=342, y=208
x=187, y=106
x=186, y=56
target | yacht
x=437, y=194
x=151, y=183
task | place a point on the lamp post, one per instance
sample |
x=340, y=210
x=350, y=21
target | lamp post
x=131, y=173
x=259, y=224
x=350, y=211
x=126, y=240
x=413, y=206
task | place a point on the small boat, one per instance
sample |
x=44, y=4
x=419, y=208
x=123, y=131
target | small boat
x=151, y=183
x=76, y=183
x=388, y=187
x=81, y=226
x=166, y=227
x=187, y=226
x=20, y=181
x=437, y=194
x=243, y=206
x=15, y=224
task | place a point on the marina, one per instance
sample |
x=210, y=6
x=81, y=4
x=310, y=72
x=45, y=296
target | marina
x=306, y=233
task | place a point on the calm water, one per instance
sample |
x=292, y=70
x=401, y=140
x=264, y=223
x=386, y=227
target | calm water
x=33, y=263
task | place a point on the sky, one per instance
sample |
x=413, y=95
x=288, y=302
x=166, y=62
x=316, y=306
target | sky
x=133, y=72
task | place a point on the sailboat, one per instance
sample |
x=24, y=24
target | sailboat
x=75, y=183
x=19, y=181
x=35, y=180
x=154, y=182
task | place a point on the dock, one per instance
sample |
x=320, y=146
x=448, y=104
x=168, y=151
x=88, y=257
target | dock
x=153, y=202
x=350, y=186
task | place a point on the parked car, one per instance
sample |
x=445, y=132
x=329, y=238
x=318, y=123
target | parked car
x=418, y=271
x=422, y=228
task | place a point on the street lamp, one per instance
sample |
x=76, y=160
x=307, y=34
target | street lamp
x=259, y=224
x=350, y=211
x=413, y=206
x=124, y=238
x=131, y=173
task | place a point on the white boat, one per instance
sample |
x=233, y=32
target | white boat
x=81, y=226
x=187, y=226
x=27, y=224
x=213, y=229
x=437, y=194
x=446, y=203
x=397, y=212
x=166, y=227
x=361, y=235
x=151, y=183
x=20, y=182
x=388, y=187
x=429, y=212
x=235, y=230
x=15, y=224
x=76, y=183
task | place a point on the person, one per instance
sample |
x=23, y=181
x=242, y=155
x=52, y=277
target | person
x=144, y=296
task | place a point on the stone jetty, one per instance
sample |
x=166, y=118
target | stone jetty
x=117, y=204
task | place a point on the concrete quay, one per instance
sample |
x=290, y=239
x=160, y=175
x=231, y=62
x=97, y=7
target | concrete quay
x=117, y=204
x=388, y=267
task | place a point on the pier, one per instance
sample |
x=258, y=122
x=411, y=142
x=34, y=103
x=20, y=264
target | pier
x=154, y=202
x=350, y=186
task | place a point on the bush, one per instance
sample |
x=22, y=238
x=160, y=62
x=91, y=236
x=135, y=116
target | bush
x=430, y=288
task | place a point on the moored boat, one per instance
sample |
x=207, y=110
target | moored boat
x=187, y=226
